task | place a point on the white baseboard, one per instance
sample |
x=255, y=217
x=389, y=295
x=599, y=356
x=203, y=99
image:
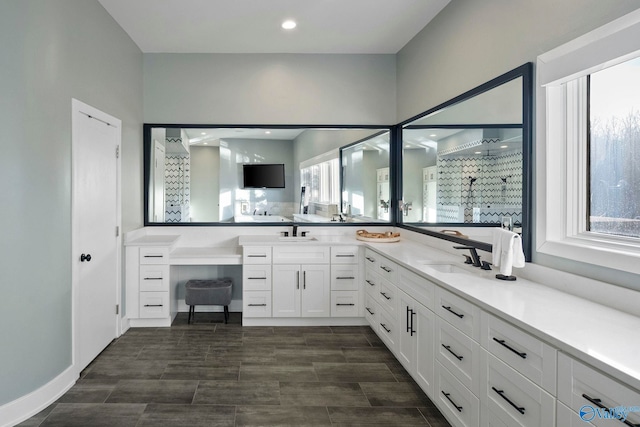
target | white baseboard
x=17, y=411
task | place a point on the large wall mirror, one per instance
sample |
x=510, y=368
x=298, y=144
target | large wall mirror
x=467, y=162
x=206, y=175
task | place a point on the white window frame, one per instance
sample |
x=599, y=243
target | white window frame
x=561, y=149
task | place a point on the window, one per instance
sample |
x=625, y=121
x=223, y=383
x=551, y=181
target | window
x=587, y=148
x=614, y=150
x=322, y=182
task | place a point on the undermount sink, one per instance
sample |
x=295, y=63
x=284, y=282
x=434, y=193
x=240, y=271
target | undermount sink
x=297, y=239
x=446, y=268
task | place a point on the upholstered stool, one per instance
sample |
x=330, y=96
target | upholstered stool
x=208, y=292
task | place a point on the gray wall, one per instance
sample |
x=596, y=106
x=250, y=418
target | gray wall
x=472, y=41
x=269, y=89
x=51, y=52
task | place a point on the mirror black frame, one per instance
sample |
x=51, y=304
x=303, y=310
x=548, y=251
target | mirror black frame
x=525, y=72
x=147, y=127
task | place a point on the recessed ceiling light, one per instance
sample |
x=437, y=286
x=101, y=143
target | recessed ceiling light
x=289, y=24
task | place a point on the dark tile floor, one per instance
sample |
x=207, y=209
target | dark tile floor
x=212, y=374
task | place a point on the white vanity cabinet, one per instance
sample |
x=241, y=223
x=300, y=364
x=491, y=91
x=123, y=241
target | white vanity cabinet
x=301, y=290
x=256, y=281
x=346, y=294
x=590, y=393
x=148, y=286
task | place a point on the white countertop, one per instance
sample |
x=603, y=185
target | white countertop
x=153, y=240
x=319, y=239
x=604, y=337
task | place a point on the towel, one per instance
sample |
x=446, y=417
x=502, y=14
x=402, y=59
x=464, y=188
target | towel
x=507, y=250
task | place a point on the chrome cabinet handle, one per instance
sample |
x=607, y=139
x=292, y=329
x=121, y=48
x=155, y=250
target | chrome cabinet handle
x=459, y=408
x=448, y=308
x=502, y=395
x=504, y=344
x=448, y=348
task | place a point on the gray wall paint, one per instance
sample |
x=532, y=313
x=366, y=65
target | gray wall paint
x=472, y=41
x=51, y=52
x=269, y=89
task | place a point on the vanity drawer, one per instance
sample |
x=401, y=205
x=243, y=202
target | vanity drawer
x=154, y=255
x=371, y=259
x=256, y=277
x=420, y=289
x=256, y=255
x=371, y=309
x=345, y=304
x=455, y=400
x=567, y=418
x=388, y=269
x=459, y=354
x=154, y=305
x=344, y=254
x=256, y=304
x=372, y=282
x=344, y=277
x=301, y=254
x=580, y=385
x=387, y=298
x=512, y=398
x=528, y=355
x=459, y=312
x=387, y=330
x=154, y=277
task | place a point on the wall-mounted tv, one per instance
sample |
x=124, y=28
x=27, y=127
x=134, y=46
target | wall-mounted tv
x=263, y=175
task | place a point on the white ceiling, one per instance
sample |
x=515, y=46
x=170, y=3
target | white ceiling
x=253, y=26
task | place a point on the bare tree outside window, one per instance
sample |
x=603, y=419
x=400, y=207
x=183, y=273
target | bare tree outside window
x=614, y=147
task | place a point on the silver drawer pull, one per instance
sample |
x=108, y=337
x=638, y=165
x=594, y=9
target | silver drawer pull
x=370, y=282
x=153, y=278
x=369, y=310
x=448, y=348
x=345, y=278
x=502, y=395
x=385, y=295
x=345, y=255
x=257, y=278
x=459, y=408
x=346, y=304
x=153, y=305
x=504, y=344
x=257, y=256
x=387, y=269
x=448, y=308
x=257, y=305
x=598, y=403
x=385, y=327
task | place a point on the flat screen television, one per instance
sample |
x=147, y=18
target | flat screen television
x=263, y=175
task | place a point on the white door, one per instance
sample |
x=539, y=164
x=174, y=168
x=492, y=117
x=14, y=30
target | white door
x=95, y=244
x=316, y=290
x=407, y=339
x=425, y=321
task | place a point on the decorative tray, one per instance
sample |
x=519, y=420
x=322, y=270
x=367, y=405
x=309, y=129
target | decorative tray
x=387, y=237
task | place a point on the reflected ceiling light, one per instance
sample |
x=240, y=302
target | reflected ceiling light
x=205, y=143
x=203, y=133
x=478, y=152
x=433, y=135
x=504, y=146
x=289, y=24
x=267, y=132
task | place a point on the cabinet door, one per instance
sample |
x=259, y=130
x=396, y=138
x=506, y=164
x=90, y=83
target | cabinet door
x=424, y=328
x=406, y=332
x=287, y=286
x=316, y=291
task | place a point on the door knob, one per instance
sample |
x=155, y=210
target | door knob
x=84, y=257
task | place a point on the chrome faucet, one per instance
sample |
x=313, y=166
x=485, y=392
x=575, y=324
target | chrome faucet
x=474, y=258
x=294, y=231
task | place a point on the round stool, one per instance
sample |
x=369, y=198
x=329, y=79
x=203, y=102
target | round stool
x=208, y=292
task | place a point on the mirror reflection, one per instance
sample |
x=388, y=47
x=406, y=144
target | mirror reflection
x=257, y=175
x=463, y=164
